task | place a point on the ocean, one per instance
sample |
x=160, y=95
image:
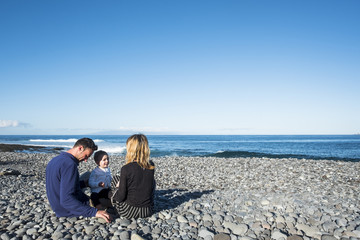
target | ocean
x=332, y=147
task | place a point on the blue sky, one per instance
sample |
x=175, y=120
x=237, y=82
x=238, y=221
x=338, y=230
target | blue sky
x=180, y=67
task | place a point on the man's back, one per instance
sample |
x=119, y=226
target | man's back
x=63, y=188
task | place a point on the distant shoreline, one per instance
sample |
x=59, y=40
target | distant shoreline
x=27, y=148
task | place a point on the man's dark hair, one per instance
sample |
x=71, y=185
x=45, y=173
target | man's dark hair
x=86, y=143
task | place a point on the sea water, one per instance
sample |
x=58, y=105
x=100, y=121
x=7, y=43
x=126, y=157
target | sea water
x=333, y=147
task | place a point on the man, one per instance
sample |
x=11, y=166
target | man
x=63, y=186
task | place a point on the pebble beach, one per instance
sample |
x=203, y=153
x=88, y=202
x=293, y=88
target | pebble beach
x=198, y=198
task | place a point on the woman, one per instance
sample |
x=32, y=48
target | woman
x=134, y=194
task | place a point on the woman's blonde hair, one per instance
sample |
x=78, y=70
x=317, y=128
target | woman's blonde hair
x=137, y=147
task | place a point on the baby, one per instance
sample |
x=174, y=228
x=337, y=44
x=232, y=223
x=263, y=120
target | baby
x=100, y=178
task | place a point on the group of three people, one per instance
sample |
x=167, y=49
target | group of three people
x=132, y=194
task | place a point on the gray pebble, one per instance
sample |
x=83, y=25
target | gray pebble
x=125, y=222
x=181, y=219
x=5, y=236
x=277, y=235
x=221, y=236
x=205, y=233
x=31, y=231
x=89, y=229
x=124, y=235
x=294, y=237
x=57, y=235
x=146, y=229
x=328, y=237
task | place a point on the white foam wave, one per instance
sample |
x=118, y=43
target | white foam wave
x=51, y=145
x=114, y=149
x=70, y=140
x=53, y=140
x=174, y=154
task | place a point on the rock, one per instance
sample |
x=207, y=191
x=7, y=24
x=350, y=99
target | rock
x=124, y=235
x=217, y=217
x=26, y=237
x=327, y=226
x=101, y=220
x=135, y=236
x=280, y=219
x=350, y=234
x=31, y=231
x=166, y=215
x=76, y=236
x=146, y=229
x=294, y=237
x=266, y=225
x=194, y=212
x=57, y=235
x=182, y=219
x=125, y=222
x=328, y=237
x=308, y=230
x=222, y=236
x=246, y=238
x=341, y=222
x=193, y=224
x=357, y=233
x=5, y=236
x=229, y=218
x=9, y=171
x=132, y=226
x=239, y=229
x=205, y=233
x=156, y=230
x=338, y=232
x=207, y=217
x=277, y=235
x=89, y=229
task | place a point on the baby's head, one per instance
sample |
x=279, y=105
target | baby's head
x=102, y=159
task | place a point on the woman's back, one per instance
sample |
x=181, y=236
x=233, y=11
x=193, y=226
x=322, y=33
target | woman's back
x=134, y=196
x=139, y=184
